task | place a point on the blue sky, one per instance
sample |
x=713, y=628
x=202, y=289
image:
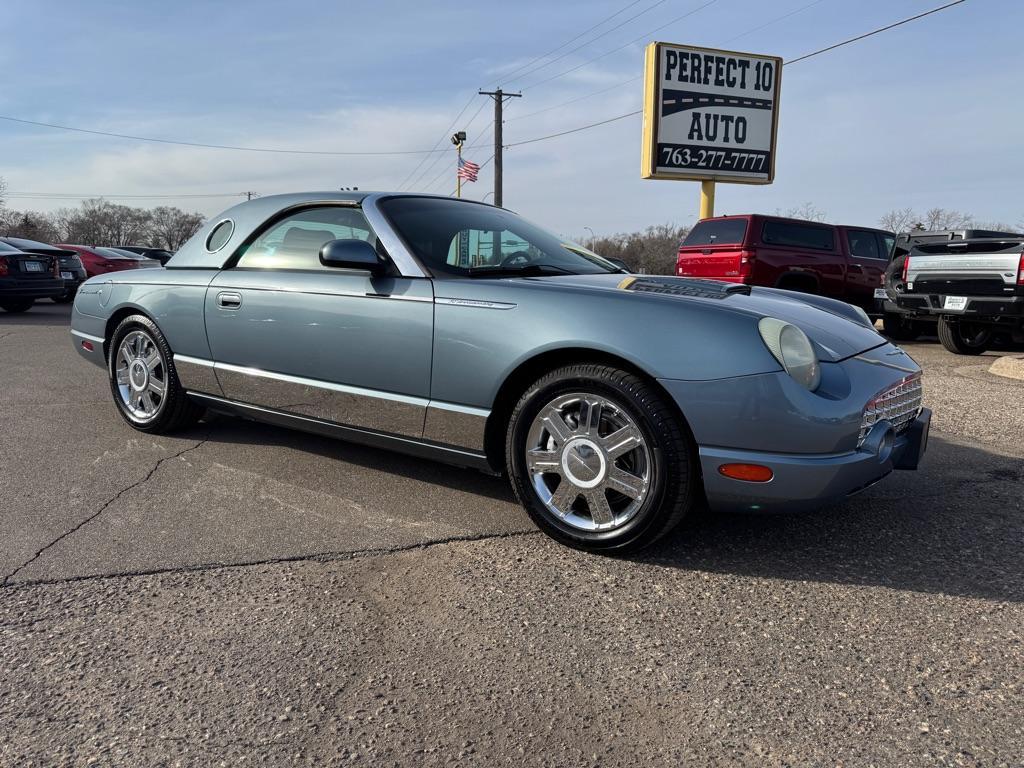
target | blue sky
x=928, y=114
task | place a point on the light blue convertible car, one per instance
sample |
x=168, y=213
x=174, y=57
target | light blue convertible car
x=457, y=331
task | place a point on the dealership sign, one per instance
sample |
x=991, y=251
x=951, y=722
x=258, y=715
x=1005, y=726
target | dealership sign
x=710, y=114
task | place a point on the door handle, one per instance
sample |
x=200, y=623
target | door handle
x=229, y=300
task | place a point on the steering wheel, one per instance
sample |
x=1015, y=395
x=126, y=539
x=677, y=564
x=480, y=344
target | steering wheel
x=517, y=259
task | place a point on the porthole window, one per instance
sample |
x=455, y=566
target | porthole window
x=220, y=235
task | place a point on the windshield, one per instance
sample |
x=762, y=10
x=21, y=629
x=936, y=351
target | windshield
x=470, y=240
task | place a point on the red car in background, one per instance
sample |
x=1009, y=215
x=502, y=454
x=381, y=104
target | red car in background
x=99, y=260
x=841, y=262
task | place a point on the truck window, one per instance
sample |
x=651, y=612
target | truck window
x=863, y=245
x=888, y=243
x=797, y=235
x=717, y=232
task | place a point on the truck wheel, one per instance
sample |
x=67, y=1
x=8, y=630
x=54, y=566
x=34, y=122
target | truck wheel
x=964, y=338
x=22, y=305
x=600, y=460
x=899, y=327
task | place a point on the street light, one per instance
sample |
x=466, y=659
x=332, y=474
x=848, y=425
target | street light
x=592, y=235
x=484, y=198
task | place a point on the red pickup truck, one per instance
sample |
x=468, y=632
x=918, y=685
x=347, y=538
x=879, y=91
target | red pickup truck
x=840, y=262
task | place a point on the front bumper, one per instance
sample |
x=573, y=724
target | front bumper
x=802, y=482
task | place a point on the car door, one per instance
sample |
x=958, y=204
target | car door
x=290, y=334
x=866, y=266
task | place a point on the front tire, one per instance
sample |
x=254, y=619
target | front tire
x=143, y=381
x=600, y=459
x=18, y=306
x=964, y=338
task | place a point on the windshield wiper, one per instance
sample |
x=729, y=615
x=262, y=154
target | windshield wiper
x=527, y=270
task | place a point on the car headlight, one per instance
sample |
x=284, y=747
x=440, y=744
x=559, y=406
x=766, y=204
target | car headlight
x=791, y=347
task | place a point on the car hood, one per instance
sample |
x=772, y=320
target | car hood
x=834, y=328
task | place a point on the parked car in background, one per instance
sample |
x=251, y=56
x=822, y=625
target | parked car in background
x=159, y=254
x=25, y=277
x=458, y=331
x=841, y=262
x=972, y=287
x=99, y=260
x=902, y=324
x=71, y=270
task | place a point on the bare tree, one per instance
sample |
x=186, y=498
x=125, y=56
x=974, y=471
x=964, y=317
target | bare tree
x=170, y=227
x=3, y=190
x=808, y=212
x=898, y=220
x=942, y=218
x=652, y=251
x=31, y=225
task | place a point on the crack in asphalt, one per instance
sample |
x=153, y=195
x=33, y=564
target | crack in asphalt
x=315, y=557
x=98, y=512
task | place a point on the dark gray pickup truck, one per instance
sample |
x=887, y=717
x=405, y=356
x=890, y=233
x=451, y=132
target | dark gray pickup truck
x=973, y=287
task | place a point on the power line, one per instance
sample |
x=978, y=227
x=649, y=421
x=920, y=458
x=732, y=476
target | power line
x=218, y=146
x=875, y=31
x=569, y=42
x=776, y=20
x=625, y=45
x=791, y=61
x=574, y=130
x=595, y=39
x=428, y=168
x=640, y=77
x=438, y=142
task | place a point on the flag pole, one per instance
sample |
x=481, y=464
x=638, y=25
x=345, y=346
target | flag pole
x=458, y=165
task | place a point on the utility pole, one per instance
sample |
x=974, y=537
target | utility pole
x=499, y=97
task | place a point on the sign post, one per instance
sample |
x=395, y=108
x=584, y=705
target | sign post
x=709, y=116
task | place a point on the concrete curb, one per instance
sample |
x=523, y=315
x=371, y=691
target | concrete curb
x=1010, y=367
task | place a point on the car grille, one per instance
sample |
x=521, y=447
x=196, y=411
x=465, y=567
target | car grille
x=899, y=405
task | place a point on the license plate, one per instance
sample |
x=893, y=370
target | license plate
x=33, y=266
x=881, y=294
x=67, y=276
x=955, y=302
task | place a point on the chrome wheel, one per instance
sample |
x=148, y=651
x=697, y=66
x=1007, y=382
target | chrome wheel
x=141, y=376
x=588, y=462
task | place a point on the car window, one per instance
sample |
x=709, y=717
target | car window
x=863, y=245
x=294, y=242
x=727, y=231
x=888, y=243
x=467, y=239
x=797, y=235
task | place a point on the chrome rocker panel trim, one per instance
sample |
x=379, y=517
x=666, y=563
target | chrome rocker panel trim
x=373, y=438
x=461, y=427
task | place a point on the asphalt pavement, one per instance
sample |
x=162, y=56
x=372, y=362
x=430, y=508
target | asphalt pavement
x=244, y=594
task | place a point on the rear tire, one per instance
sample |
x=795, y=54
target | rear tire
x=14, y=307
x=600, y=459
x=962, y=338
x=899, y=327
x=143, y=381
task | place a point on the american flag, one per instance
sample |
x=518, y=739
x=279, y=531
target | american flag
x=467, y=170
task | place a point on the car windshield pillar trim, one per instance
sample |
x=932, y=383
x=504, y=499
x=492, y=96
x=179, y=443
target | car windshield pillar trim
x=407, y=264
